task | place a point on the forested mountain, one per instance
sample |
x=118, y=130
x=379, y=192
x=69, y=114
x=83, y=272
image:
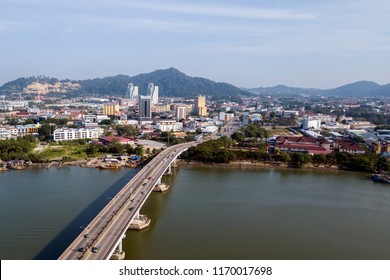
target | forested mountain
x=21, y=83
x=171, y=82
x=362, y=88
x=283, y=90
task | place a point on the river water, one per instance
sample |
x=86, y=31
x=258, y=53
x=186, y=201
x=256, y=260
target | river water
x=209, y=213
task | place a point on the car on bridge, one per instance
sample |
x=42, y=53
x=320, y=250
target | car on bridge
x=95, y=249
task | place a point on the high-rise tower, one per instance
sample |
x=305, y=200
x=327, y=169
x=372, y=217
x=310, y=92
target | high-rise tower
x=144, y=108
x=153, y=93
x=132, y=91
x=200, y=105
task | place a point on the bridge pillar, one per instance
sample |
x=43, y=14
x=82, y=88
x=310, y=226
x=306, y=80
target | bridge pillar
x=169, y=171
x=158, y=181
x=120, y=247
x=174, y=163
x=140, y=223
x=160, y=188
x=119, y=254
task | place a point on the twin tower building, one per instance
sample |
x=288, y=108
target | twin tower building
x=145, y=102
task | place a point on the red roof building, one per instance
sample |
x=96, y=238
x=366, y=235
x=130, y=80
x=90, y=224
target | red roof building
x=119, y=139
x=303, y=144
x=348, y=146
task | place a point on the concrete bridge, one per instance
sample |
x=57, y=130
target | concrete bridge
x=102, y=238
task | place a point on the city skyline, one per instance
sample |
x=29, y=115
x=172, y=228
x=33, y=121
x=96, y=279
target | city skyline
x=247, y=44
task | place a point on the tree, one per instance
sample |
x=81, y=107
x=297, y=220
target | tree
x=91, y=149
x=382, y=164
x=106, y=122
x=127, y=130
x=238, y=136
x=319, y=159
x=299, y=160
x=282, y=157
x=139, y=150
x=46, y=130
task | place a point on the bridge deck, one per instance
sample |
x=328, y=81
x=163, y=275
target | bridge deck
x=107, y=229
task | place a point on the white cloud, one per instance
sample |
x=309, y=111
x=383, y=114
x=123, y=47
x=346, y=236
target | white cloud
x=228, y=11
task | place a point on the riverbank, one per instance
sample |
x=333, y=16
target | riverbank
x=87, y=163
x=253, y=164
x=99, y=163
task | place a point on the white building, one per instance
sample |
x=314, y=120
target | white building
x=153, y=93
x=288, y=113
x=77, y=133
x=169, y=125
x=311, y=123
x=132, y=91
x=256, y=117
x=8, y=132
x=181, y=112
x=5, y=133
x=222, y=116
x=210, y=129
x=126, y=122
x=93, y=120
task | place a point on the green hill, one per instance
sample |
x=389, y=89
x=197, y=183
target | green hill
x=171, y=82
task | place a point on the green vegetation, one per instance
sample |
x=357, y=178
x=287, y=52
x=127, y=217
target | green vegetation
x=94, y=150
x=21, y=148
x=171, y=82
x=67, y=151
x=127, y=130
x=171, y=139
x=221, y=151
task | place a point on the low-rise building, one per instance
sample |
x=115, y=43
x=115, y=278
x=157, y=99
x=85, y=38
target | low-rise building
x=27, y=129
x=65, y=134
x=302, y=144
x=118, y=139
x=348, y=146
x=5, y=133
x=93, y=120
x=169, y=125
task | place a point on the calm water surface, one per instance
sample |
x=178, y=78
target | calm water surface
x=42, y=210
x=209, y=213
x=225, y=213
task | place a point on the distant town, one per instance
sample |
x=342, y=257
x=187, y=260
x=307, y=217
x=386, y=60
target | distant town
x=293, y=129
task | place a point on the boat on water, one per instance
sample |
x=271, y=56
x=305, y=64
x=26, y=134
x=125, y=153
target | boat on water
x=381, y=178
x=110, y=166
x=17, y=167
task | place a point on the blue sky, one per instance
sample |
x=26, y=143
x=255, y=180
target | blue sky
x=247, y=43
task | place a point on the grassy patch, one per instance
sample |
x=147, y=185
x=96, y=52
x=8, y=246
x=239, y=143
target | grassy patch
x=76, y=152
x=279, y=131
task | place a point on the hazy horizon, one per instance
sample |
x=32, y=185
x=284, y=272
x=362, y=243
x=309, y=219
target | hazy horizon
x=301, y=43
x=260, y=86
